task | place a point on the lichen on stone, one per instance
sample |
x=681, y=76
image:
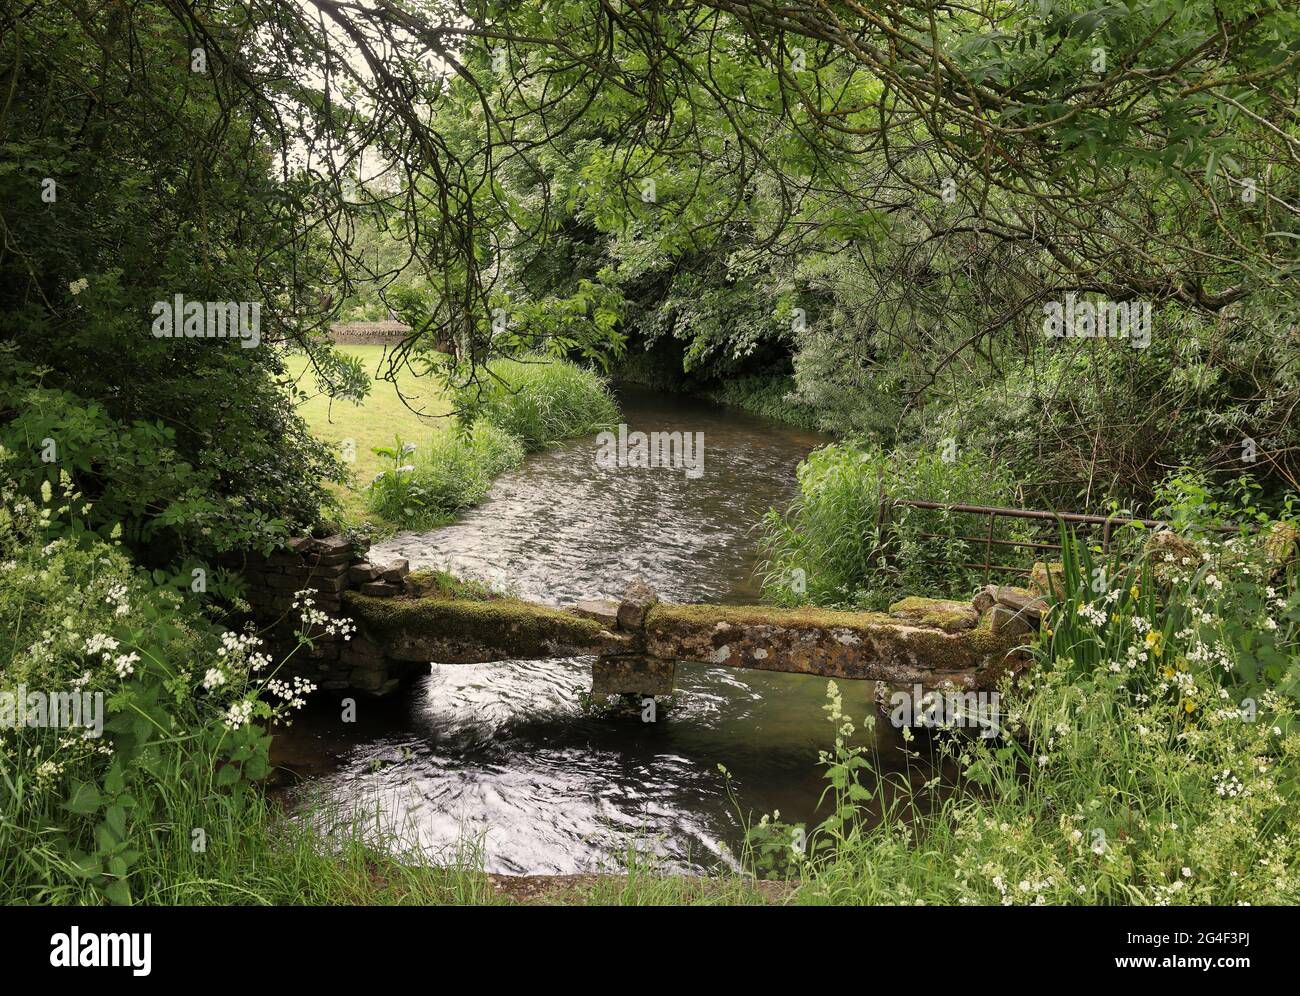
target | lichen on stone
x=762, y=615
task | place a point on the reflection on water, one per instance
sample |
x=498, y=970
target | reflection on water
x=505, y=753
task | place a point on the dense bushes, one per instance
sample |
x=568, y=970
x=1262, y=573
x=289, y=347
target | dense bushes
x=137, y=480
x=191, y=205
x=831, y=548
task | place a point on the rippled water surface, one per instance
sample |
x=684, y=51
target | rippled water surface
x=504, y=753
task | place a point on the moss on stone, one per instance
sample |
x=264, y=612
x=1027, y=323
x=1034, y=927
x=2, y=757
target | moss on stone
x=491, y=621
x=811, y=640
x=1012, y=589
x=764, y=615
x=821, y=641
x=430, y=583
x=957, y=650
x=941, y=613
x=1047, y=580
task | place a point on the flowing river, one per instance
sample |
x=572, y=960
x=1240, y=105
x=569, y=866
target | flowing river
x=504, y=754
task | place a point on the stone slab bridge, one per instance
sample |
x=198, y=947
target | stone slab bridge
x=407, y=620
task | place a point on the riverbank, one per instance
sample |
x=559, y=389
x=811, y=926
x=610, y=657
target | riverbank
x=769, y=395
x=637, y=889
x=357, y=429
x=419, y=454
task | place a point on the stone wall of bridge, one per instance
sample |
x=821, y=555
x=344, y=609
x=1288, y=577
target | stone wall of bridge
x=405, y=621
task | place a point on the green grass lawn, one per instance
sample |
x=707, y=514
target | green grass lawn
x=382, y=416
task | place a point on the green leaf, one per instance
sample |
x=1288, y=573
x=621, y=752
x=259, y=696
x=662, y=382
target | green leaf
x=227, y=774
x=116, y=819
x=86, y=865
x=114, y=781
x=85, y=799
x=118, y=893
x=105, y=840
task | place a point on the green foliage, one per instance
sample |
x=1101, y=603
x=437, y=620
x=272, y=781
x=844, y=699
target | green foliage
x=539, y=401
x=769, y=396
x=137, y=485
x=146, y=208
x=185, y=709
x=749, y=196
x=1097, y=420
x=425, y=487
x=1215, y=601
x=1148, y=760
x=916, y=308
x=831, y=547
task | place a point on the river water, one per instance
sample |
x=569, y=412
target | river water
x=504, y=754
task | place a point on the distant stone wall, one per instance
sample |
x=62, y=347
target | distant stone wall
x=385, y=333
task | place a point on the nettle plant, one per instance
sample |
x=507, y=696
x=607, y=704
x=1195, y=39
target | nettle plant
x=187, y=709
x=426, y=486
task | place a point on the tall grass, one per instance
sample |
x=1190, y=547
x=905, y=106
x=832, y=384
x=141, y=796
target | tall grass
x=831, y=547
x=539, y=402
x=205, y=847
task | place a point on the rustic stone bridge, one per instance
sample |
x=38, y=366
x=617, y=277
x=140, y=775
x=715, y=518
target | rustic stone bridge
x=405, y=621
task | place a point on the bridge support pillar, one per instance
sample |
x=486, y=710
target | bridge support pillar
x=632, y=674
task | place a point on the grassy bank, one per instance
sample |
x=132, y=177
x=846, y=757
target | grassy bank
x=168, y=805
x=419, y=468
x=768, y=395
x=1150, y=758
x=376, y=422
x=541, y=401
x=831, y=548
